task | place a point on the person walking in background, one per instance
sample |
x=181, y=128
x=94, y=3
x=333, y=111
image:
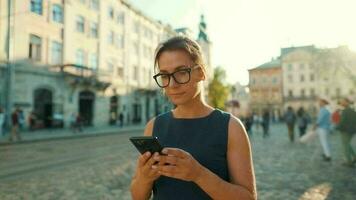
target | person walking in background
x=322, y=127
x=302, y=121
x=32, y=121
x=21, y=116
x=265, y=123
x=289, y=118
x=335, y=116
x=249, y=123
x=2, y=120
x=15, y=126
x=347, y=128
x=121, y=119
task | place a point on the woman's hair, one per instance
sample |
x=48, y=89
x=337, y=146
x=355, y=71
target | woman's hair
x=181, y=43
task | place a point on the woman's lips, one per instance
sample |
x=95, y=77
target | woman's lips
x=176, y=94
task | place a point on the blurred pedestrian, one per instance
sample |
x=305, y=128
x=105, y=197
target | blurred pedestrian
x=79, y=122
x=2, y=120
x=249, y=123
x=121, y=119
x=265, y=123
x=15, y=126
x=335, y=116
x=322, y=127
x=32, y=120
x=290, y=118
x=21, y=116
x=302, y=121
x=347, y=128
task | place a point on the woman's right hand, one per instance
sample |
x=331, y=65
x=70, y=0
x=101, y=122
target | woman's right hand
x=145, y=173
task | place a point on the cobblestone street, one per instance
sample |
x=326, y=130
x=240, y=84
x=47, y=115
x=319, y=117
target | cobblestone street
x=101, y=168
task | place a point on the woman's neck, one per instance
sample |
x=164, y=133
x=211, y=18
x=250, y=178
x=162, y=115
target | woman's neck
x=194, y=109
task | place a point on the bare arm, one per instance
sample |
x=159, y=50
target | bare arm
x=242, y=179
x=142, y=182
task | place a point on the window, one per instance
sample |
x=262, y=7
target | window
x=290, y=78
x=312, y=92
x=93, y=61
x=82, y=1
x=111, y=13
x=135, y=73
x=301, y=66
x=327, y=91
x=290, y=93
x=80, y=24
x=36, y=6
x=111, y=37
x=302, y=93
x=301, y=78
x=137, y=27
x=290, y=67
x=311, y=77
x=57, y=49
x=135, y=48
x=57, y=13
x=120, y=41
x=121, y=18
x=35, y=48
x=110, y=67
x=120, y=72
x=274, y=80
x=94, y=4
x=79, y=57
x=93, y=30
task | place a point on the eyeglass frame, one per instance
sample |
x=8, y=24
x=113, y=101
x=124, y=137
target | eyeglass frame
x=188, y=69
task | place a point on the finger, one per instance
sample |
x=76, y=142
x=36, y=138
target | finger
x=168, y=170
x=170, y=160
x=142, y=159
x=175, y=152
x=152, y=161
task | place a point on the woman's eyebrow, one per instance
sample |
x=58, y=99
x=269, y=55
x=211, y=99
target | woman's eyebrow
x=177, y=68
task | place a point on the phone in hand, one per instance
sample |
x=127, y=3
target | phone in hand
x=146, y=143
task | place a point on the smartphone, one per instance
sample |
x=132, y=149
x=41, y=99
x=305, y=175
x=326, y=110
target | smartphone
x=146, y=143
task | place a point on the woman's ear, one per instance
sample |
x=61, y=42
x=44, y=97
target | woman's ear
x=202, y=74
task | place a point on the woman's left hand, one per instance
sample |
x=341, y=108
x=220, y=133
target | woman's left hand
x=179, y=164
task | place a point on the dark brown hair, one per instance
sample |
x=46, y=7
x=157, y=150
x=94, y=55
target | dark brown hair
x=181, y=43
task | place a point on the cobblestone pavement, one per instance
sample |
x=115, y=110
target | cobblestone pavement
x=101, y=168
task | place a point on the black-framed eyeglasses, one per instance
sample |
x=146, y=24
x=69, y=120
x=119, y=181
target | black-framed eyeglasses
x=181, y=76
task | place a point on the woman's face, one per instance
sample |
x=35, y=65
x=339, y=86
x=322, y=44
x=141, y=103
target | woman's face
x=171, y=61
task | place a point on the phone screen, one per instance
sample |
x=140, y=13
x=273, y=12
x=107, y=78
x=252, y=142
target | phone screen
x=146, y=143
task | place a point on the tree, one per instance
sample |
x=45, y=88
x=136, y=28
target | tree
x=218, y=89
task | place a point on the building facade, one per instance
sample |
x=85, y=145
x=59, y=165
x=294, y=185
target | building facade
x=265, y=88
x=87, y=57
x=299, y=78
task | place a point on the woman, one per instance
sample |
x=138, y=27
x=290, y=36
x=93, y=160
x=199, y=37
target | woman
x=322, y=127
x=208, y=154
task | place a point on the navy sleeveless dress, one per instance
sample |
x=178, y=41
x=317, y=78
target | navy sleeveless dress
x=204, y=138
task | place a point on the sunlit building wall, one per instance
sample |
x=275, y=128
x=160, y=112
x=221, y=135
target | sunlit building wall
x=265, y=88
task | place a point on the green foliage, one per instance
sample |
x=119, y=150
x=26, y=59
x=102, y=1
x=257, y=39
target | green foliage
x=218, y=89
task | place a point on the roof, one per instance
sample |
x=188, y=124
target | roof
x=287, y=50
x=271, y=64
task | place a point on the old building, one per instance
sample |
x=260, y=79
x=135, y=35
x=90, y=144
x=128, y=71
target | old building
x=87, y=57
x=265, y=88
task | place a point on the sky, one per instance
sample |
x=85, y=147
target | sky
x=248, y=33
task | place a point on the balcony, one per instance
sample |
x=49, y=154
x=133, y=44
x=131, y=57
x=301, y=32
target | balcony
x=77, y=75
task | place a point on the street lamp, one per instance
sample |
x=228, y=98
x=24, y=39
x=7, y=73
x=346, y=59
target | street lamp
x=9, y=68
